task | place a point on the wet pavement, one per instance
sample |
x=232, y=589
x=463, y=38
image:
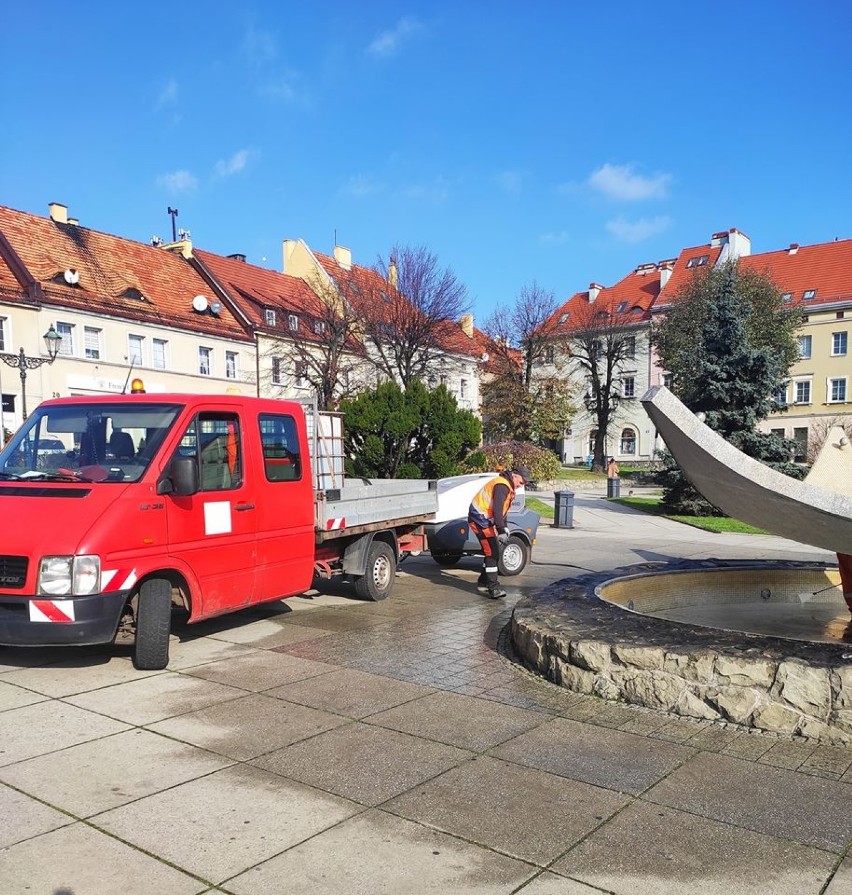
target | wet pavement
x=328, y=745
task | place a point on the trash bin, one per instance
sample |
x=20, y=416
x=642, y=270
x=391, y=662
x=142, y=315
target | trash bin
x=613, y=487
x=563, y=516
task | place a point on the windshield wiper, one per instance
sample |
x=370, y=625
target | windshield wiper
x=59, y=475
x=9, y=475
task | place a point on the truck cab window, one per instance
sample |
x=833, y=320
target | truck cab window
x=214, y=440
x=282, y=459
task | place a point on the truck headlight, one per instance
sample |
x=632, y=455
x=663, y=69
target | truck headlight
x=62, y=576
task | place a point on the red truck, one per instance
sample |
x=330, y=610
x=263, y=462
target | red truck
x=191, y=505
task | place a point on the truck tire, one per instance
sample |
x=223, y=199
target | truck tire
x=514, y=556
x=446, y=560
x=377, y=582
x=153, y=625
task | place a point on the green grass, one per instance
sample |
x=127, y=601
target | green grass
x=707, y=523
x=578, y=473
x=539, y=506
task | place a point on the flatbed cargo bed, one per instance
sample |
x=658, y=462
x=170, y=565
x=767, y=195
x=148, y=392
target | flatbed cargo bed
x=370, y=504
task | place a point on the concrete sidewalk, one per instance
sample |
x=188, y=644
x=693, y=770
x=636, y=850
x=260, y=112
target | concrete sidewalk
x=325, y=745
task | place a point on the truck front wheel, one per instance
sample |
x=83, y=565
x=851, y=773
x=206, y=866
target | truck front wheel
x=377, y=581
x=153, y=625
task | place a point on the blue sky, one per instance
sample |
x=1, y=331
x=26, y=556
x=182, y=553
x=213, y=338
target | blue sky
x=561, y=142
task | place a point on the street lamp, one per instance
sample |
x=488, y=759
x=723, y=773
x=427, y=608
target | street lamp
x=24, y=363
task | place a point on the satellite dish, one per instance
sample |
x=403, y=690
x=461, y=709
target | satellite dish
x=216, y=308
x=199, y=303
x=72, y=277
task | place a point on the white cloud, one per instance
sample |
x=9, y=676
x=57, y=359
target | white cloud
x=233, y=165
x=388, y=43
x=168, y=95
x=178, y=181
x=621, y=182
x=359, y=186
x=511, y=181
x=637, y=231
x=436, y=192
x=554, y=238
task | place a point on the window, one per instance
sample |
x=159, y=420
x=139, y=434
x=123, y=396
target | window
x=780, y=396
x=840, y=315
x=280, y=442
x=628, y=442
x=786, y=296
x=293, y=322
x=213, y=439
x=809, y=295
x=319, y=327
x=805, y=346
x=697, y=262
x=630, y=346
x=668, y=380
x=622, y=306
x=66, y=346
x=564, y=317
x=549, y=354
x=779, y=432
x=134, y=350
x=800, y=439
x=301, y=374
x=232, y=365
x=628, y=387
x=92, y=342
x=158, y=352
x=2, y=333
x=269, y=317
x=803, y=391
x=463, y=388
x=838, y=343
x=837, y=390
x=277, y=376
x=205, y=361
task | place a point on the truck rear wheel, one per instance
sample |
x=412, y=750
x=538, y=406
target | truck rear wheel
x=514, y=556
x=153, y=625
x=377, y=581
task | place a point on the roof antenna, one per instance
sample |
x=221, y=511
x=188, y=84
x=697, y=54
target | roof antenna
x=335, y=235
x=130, y=370
x=174, y=213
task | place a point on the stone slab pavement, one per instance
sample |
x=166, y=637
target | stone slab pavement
x=329, y=745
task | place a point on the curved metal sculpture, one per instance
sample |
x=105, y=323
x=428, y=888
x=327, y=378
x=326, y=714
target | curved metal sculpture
x=816, y=511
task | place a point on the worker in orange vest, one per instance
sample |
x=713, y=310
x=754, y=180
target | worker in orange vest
x=487, y=518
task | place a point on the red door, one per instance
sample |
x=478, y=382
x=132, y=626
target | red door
x=215, y=530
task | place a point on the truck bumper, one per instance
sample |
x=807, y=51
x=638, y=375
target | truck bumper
x=41, y=621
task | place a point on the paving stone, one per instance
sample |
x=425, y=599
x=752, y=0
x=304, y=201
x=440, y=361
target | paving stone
x=462, y=721
x=77, y=675
x=649, y=850
x=12, y=697
x=597, y=755
x=551, y=884
x=261, y=670
x=788, y=754
x=266, y=634
x=767, y=800
x=714, y=739
x=151, y=699
x=79, y=860
x=679, y=730
x=22, y=817
x=522, y=812
x=47, y=727
x=749, y=746
x=248, y=727
x=383, y=855
x=841, y=883
x=14, y=658
x=108, y=772
x=200, y=650
x=229, y=821
x=833, y=760
x=364, y=763
x=354, y=694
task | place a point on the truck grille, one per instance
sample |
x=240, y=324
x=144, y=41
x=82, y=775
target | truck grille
x=13, y=571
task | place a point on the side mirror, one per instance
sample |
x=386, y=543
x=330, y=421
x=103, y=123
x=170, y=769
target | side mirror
x=182, y=478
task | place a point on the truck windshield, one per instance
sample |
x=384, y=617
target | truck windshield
x=97, y=442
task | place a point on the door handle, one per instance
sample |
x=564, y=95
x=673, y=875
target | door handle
x=240, y=507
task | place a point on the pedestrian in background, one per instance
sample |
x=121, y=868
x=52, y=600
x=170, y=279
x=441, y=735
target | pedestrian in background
x=487, y=518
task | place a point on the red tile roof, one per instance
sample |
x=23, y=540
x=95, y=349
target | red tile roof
x=117, y=277
x=687, y=262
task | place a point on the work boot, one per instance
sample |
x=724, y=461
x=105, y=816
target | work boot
x=495, y=592
x=482, y=581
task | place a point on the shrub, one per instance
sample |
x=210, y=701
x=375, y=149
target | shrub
x=542, y=463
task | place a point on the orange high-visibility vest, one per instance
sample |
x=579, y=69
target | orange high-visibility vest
x=483, y=503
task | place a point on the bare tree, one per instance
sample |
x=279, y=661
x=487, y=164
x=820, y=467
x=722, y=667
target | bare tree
x=406, y=311
x=526, y=397
x=818, y=432
x=599, y=341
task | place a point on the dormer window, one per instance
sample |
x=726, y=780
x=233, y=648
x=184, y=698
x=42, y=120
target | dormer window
x=319, y=327
x=622, y=306
x=269, y=317
x=132, y=293
x=809, y=295
x=564, y=317
x=700, y=261
x=787, y=296
x=293, y=322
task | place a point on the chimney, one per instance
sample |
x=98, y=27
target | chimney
x=594, y=291
x=343, y=257
x=58, y=212
x=794, y=247
x=466, y=323
x=734, y=245
x=238, y=256
x=666, y=268
x=393, y=276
